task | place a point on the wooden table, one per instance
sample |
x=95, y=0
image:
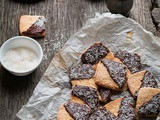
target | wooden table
x=65, y=17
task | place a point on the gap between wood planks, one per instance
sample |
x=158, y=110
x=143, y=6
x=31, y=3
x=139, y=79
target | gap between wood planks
x=141, y=12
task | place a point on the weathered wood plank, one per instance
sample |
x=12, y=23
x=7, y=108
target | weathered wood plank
x=141, y=12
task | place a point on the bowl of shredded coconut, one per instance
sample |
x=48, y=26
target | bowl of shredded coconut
x=21, y=55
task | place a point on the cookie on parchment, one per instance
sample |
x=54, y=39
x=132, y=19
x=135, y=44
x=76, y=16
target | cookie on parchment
x=32, y=26
x=89, y=96
x=73, y=111
x=111, y=74
x=131, y=60
x=141, y=79
x=82, y=75
x=148, y=102
x=102, y=114
x=95, y=53
x=114, y=106
x=122, y=108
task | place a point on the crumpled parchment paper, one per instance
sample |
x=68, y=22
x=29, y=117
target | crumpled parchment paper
x=117, y=33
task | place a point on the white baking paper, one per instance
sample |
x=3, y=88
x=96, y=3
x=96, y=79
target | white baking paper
x=115, y=31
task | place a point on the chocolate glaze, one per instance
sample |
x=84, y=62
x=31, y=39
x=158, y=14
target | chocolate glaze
x=77, y=111
x=132, y=61
x=148, y=81
x=80, y=72
x=152, y=107
x=37, y=28
x=88, y=94
x=116, y=95
x=102, y=114
x=117, y=71
x=126, y=111
x=95, y=53
x=104, y=93
x=128, y=101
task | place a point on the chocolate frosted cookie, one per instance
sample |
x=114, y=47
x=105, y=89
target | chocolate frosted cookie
x=82, y=75
x=80, y=72
x=141, y=79
x=104, y=93
x=116, y=95
x=126, y=112
x=78, y=111
x=152, y=107
x=95, y=53
x=32, y=26
x=102, y=114
x=122, y=108
x=117, y=71
x=148, y=102
x=132, y=61
x=73, y=111
x=87, y=94
x=111, y=74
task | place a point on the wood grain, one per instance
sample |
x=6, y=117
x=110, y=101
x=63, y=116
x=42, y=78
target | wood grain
x=65, y=17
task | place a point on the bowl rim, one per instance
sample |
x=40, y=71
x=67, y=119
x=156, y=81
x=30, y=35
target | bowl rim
x=25, y=38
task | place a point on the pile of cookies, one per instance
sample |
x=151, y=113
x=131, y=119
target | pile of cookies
x=110, y=86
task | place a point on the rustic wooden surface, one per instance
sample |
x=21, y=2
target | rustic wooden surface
x=65, y=17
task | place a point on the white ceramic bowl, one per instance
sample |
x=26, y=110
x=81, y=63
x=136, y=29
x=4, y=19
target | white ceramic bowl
x=21, y=41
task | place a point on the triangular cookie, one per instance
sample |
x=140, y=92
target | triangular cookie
x=145, y=96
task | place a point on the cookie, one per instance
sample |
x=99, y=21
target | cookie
x=148, y=102
x=139, y=80
x=95, y=53
x=82, y=75
x=102, y=114
x=114, y=106
x=111, y=74
x=73, y=111
x=87, y=94
x=114, y=95
x=75, y=99
x=62, y=114
x=126, y=110
x=32, y=26
x=104, y=93
x=132, y=61
x=122, y=108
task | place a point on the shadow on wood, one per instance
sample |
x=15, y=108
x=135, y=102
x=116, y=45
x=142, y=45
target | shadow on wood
x=13, y=84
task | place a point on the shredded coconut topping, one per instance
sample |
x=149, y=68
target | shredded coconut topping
x=20, y=59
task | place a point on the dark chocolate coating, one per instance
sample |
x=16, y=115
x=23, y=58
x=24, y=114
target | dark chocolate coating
x=77, y=111
x=152, y=107
x=80, y=72
x=126, y=111
x=95, y=53
x=132, y=61
x=128, y=101
x=88, y=94
x=37, y=28
x=104, y=93
x=102, y=114
x=116, y=95
x=117, y=71
x=149, y=80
